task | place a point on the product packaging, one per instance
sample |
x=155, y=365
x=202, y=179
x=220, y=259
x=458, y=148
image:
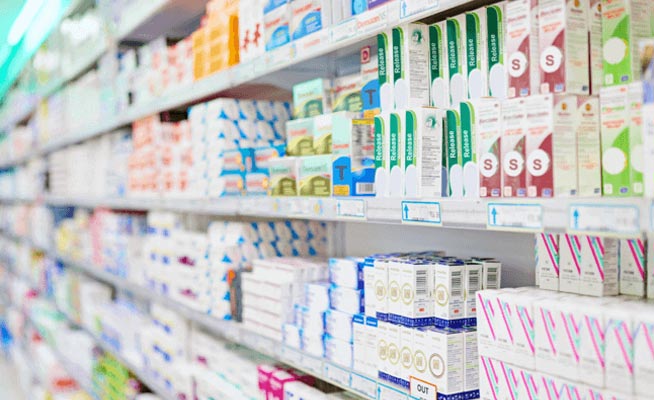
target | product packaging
x=315, y=176
x=312, y=98
x=522, y=47
x=513, y=148
x=423, y=153
x=353, y=143
x=411, y=65
x=438, y=66
x=563, y=49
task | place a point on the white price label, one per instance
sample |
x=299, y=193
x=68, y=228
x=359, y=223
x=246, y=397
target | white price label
x=411, y=7
x=311, y=364
x=372, y=20
x=619, y=220
x=364, y=385
x=515, y=217
x=313, y=43
x=350, y=208
x=337, y=374
x=422, y=390
x=282, y=55
x=344, y=30
x=385, y=392
x=421, y=212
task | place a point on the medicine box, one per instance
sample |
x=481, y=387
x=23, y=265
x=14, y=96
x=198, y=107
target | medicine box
x=456, y=57
x=277, y=27
x=312, y=98
x=410, y=46
x=353, y=155
x=315, y=176
x=347, y=93
x=284, y=176
x=632, y=259
x=547, y=251
x=438, y=66
x=513, y=148
x=448, y=293
x=496, y=52
x=522, y=47
x=309, y=16
x=599, y=266
x=488, y=129
x=570, y=263
x=424, y=152
x=563, y=46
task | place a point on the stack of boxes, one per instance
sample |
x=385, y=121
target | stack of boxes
x=565, y=343
x=233, y=142
x=216, y=42
x=323, y=325
x=331, y=153
x=420, y=319
x=592, y=265
x=270, y=292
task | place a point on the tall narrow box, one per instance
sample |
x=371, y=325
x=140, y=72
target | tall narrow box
x=488, y=117
x=589, y=166
x=522, y=47
x=438, y=66
x=456, y=57
x=563, y=38
x=411, y=65
x=424, y=148
x=599, y=266
x=497, y=75
x=514, y=135
x=547, y=249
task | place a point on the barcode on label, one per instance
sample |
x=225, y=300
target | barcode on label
x=421, y=283
x=365, y=188
x=491, y=278
x=456, y=288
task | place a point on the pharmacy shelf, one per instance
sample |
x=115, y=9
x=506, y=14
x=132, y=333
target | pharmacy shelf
x=139, y=14
x=624, y=217
x=312, y=52
x=345, y=378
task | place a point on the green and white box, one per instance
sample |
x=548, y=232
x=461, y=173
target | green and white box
x=456, y=58
x=498, y=79
x=624, y=24
x=438, y=66
x=382, y=154
x=311, y=98
x=476, y=53
x=454, y=159
x=315, y=176
x=397, y=158
x=423, y=154
x=385, y=71
x=616, y=150
x=411, y=65
x=472, y=115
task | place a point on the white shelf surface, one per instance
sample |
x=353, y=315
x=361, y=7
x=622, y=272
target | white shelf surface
x=343, y=377
x=623, y=217
x=331, y=41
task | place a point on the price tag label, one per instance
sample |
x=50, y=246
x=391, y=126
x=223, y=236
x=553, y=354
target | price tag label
x=515, y=217
x=344, y=30
x=422, y=390
x=411, y=7
x=364, y=385
x=351, y=208
x=421, y=212
x=372, y=20
x=602, y=219
x=385, y=392
x=311, y=364
x=337, y=374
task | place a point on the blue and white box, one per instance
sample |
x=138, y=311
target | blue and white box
x=339, y=325
x=346, y=299
x=346, y=272
x=309, y=16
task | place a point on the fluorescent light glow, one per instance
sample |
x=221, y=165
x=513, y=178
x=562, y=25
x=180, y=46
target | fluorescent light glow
x=25, y=18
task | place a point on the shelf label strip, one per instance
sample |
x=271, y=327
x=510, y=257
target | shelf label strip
x=525, y=217
x=602, y=219
x=421, y=212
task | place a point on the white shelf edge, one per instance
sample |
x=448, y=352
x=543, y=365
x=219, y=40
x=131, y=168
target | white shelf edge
x=470, y=214
x=231, y=77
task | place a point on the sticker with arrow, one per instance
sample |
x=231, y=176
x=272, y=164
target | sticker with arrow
x=602, y=219
x=515, y=217
x=421, y=212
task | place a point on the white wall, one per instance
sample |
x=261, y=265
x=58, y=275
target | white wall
x=514, y=250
